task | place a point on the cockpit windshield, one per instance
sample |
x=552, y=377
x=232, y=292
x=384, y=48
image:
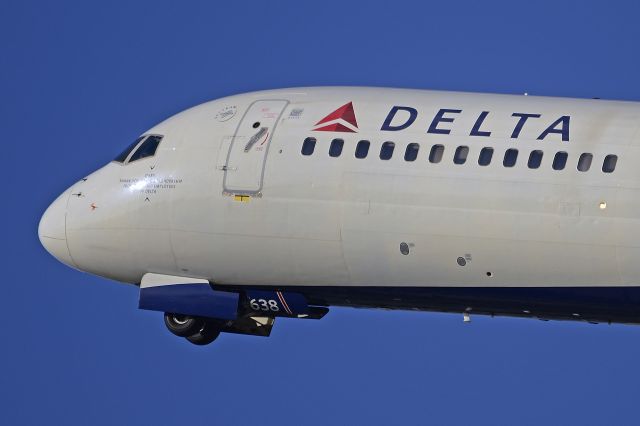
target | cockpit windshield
x=147, y=148
x=144, y=149
x=124, y=154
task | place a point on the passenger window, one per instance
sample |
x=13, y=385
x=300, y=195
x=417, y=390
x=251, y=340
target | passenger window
x=535, y=159
x=124, y=154
x=362, y=149
x=460, y=157
x=147, y=148
x=308, y=146
x=435, y=156
x=609, y=164
x=412, y=152
x=510, y=157
x=584, y=163
x=485, y=156
x=335, y=149
x=386, y=152
x=560, y=160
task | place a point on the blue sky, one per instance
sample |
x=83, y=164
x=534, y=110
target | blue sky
x=79, y=80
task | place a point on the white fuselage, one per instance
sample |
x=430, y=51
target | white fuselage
x=229, y=196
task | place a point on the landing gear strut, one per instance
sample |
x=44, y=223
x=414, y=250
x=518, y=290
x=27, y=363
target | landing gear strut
x=199, y=331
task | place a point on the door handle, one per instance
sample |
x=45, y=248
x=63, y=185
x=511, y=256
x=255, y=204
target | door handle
x=255, y=138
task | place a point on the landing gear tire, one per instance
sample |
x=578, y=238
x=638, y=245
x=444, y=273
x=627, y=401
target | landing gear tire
x=207, y=334
x=183, y=325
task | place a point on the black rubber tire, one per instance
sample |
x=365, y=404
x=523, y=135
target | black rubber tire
x=183, y=325
x=207, y=334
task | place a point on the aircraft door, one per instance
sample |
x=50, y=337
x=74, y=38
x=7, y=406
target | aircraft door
x=244, y=168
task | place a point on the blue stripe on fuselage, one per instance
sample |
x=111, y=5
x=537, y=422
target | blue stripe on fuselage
x=598, y=304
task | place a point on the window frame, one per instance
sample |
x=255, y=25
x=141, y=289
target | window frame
x=560, y=160
x=147, y=137
x=132, y=147
x=582, y=158
x=363, y=143
x=414, y=148
x=482, y=156
x=457, y=158
x=507, y=155
x=434, y=151
x=336, y=142
x=308, y=140
x=541, y=152
x=136, y=145
x=390, y=144
x=614, y=157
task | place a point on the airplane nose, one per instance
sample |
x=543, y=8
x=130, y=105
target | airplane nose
x=52, y=230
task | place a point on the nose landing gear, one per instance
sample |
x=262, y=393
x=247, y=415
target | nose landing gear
x=199, y=331
x=207, y=334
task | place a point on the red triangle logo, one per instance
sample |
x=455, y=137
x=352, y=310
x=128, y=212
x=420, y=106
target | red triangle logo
x=344, y=113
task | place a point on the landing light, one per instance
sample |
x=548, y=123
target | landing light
x=603, y=205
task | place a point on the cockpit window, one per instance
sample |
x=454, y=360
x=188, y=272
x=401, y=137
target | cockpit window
x=124, y=154
x=147, y=148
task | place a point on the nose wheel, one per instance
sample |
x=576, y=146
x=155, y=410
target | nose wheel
x=199, y=331
x=207, y=334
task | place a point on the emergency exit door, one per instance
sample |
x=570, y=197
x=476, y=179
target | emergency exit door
x=244, y=169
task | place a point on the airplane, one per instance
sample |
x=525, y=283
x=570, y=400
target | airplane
x=284, y=203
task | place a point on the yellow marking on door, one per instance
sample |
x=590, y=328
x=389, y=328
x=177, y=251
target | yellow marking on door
x=242, y=198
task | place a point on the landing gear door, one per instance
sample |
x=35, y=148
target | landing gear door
x=244, y=169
